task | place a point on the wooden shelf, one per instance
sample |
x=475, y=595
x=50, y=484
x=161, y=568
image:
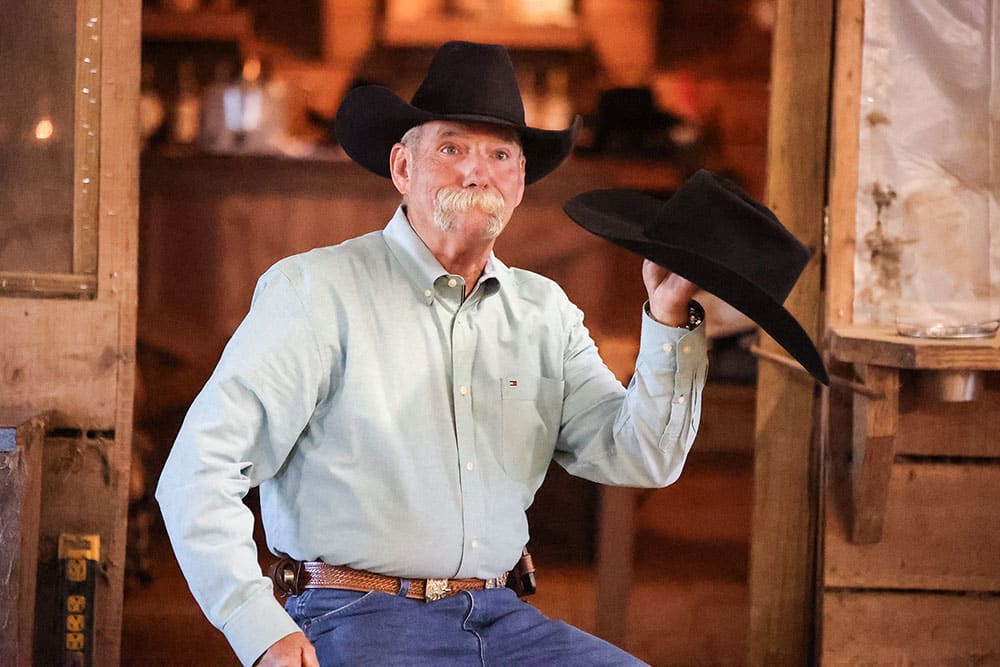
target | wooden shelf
x=231, y=26
x=881, y=346
x=511, y=34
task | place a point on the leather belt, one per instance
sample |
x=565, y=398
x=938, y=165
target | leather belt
x=291, y=577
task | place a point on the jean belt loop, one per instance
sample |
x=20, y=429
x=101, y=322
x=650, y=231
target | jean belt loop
x=404, y=587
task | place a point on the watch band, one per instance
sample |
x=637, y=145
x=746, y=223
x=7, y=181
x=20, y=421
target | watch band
x=696, y=315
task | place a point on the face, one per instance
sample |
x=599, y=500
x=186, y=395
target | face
x=460, y=179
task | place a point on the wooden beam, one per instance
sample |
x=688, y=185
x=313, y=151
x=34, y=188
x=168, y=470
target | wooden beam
x=875, y=423
x=118, y=217
x=784, y=526
x=846, y=106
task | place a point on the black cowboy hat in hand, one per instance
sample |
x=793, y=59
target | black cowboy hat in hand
x=466, y=82
x=718, y=237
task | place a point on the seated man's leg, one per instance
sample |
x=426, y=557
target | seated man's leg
x=381, y=630
x=515, y=633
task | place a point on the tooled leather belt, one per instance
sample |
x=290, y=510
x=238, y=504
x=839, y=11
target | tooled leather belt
x=292, y=577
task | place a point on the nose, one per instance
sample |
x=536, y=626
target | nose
x=475, y=171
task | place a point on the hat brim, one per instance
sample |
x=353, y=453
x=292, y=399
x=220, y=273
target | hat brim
x=599, y=213
x=372, y=119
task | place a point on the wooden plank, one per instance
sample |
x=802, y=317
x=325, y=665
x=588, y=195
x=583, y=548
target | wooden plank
x=873, y=444
x=936, y=428
x=846, y=113
x=880, y=346
x=786, y=487
x=117, y=286
x=916, y=630
x=20, y=509
x=436, y=31
x=60, y=356
x=941, y=531
x=15, y=283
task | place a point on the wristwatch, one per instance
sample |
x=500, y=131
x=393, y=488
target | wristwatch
x=696, y=315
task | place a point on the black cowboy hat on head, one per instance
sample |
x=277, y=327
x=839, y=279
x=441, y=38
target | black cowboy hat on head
x=718, y=237
x=466, y=82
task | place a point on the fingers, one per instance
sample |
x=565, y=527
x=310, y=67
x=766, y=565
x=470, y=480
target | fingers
x=309, y=658
x=293, y=650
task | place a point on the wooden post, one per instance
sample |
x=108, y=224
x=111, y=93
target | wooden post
x=875, y=424
x=616, y=534
x=782, y=552
x=21, y=440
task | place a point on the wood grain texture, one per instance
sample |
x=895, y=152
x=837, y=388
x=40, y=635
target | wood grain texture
x=61, y=357
x=941, y=531
x=786, y=468
x=913, y=629
x=937, y=428
x=873, y=443
x=883, y=347
x=846, y=111
x=117, y=285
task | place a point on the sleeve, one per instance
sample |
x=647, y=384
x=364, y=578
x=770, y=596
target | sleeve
x=639, y=436
x=238, y=431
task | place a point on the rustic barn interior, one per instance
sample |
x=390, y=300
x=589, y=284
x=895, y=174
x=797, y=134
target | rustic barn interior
x=850, y=524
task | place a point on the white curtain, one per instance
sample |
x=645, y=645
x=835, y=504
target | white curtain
x=928, y=229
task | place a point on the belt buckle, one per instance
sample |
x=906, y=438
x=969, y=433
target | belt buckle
x=435, y=589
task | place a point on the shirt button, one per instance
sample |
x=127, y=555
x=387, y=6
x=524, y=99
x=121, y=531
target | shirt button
x=475, y=543
x=686, y=349
x=427, y=292
x=459, y=319
x=667, y=347
x=463, y=390
x=680, y=399
x=470, y=466
x=452, y=282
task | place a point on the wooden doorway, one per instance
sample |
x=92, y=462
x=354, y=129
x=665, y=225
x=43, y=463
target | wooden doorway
x=68, y=230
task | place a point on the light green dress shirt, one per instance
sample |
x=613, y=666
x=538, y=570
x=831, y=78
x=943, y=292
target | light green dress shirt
x=397, y=427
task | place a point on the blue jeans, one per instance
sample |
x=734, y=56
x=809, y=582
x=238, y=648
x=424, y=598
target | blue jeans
x=486, y=628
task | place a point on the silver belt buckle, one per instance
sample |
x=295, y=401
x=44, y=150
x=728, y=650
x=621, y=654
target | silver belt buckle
x=499, y=582
x=435, y=589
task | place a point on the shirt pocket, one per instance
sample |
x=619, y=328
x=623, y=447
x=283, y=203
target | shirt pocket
x=531, y=409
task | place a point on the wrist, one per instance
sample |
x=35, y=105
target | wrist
x=689, y=316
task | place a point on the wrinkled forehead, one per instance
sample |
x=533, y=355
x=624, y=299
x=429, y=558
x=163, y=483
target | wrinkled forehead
x=444, y=128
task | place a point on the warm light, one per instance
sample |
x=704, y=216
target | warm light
x=44, y=130
x=251, y=69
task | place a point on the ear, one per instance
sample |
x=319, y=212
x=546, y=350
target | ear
x=399, y=167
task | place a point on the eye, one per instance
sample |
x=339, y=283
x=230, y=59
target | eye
x=502, y=155
x=449, y=149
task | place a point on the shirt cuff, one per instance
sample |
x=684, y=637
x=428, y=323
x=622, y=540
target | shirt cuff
x=260, y=622
x=673, y=344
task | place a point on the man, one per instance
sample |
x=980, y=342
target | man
x=398, y=399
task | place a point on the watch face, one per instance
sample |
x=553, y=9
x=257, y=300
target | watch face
x=696, y=315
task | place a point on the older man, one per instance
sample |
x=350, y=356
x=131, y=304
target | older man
x=398, y=399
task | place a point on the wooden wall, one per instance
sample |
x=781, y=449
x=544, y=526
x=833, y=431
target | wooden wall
x=910, y=562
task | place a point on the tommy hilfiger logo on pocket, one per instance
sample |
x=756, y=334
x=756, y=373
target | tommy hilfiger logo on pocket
x=511, y=383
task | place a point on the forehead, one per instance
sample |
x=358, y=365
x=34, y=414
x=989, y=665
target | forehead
x=439, y=129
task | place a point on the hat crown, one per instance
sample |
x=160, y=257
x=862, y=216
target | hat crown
x=470, y=79
x=740, y=232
